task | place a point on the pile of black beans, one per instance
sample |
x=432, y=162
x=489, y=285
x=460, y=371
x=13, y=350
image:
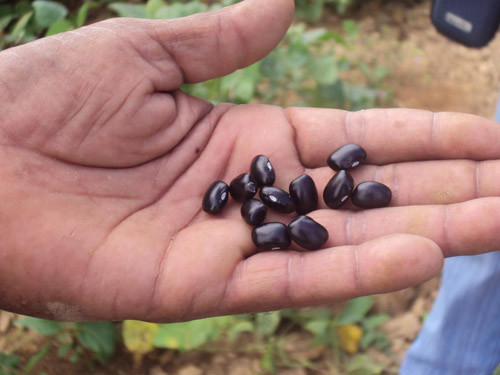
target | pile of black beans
x=302, y=198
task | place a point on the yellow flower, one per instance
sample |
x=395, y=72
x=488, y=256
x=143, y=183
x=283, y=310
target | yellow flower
x=349, y=337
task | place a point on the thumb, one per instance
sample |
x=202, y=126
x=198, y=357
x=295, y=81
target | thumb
x=213, y=44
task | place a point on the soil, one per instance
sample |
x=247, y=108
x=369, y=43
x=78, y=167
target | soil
x=428, y=71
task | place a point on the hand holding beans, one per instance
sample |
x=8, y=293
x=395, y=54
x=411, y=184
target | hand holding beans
x=104, y=174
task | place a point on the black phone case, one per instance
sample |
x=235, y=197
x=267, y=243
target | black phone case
x=470, y=22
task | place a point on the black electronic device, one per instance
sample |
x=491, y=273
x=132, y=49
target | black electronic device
x=473, y=23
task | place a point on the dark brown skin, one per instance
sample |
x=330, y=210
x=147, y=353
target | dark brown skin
x=104, y=163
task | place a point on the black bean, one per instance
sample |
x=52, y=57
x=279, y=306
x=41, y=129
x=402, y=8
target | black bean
x=271, y=236
x=304, y=194
x=243, y=187
x=338, y=190
x=253, y=212
x=262, y=170
x=277, y=199
x=347, y=157
x=308, y=233
x=371, y=194
x=215, y=197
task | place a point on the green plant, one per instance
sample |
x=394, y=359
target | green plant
x=8, y=363
x=74, y=339
x=26, y=21
x=312, y=10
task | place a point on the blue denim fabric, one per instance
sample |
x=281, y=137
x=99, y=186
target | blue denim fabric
x=461, y=335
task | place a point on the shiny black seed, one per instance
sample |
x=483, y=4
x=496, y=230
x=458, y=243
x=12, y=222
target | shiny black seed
x=304, y=194
x=347, y=157
x=243, y=187
x=277, y=199
x=271, y=236
x=253, y=212
x=262, y=170
x=215, y=197
x=371, y=194
x=338, y=190
x=308, y=233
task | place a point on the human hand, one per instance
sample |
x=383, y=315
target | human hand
x=104, y=163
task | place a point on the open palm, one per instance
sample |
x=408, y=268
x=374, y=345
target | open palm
x=104, y=162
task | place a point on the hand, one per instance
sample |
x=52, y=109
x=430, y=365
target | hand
x=104, y=162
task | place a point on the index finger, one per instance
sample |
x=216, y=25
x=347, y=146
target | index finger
x=394, y=135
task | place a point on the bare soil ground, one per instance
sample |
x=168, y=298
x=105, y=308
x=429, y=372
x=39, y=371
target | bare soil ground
x=428, y=72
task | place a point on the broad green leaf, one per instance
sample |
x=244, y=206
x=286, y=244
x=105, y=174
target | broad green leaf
x=19, y=31
x=317, y=327
x=266, y=323
x=272, y=67
x=6, y=10
x=5, y=20
x=139, y=336
x=81, y=16
x=238, y=328
x=8, y=363
x=59, y=26
x=48, y=12
x=268, y=362
x=372, y=322
x=45, y=327
x=22, y=7
x=32, y=362
x=497, y=370
x=363, y=365
x=350, y=28
x=177, y=10
x=129, y=10
x=355, y=310
x=63, y=350
x=324, y=70
x=99, y=337
x=152, y=6
x=314, y=35
x=186, y=336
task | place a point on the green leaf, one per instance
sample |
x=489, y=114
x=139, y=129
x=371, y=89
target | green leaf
x=81, y=16
x=497, y=370
x=5, y=20
x=22, y=7
x=129, y=10
x=324, y=70
x=186, y=336
x=355, y=310
x=363, y=365
x=64, y=349
x=59, y=26
x=32, y=362
x=317, y=327
x=8, y=363
x=45, y=327
x=350, y=28
x=48, y=12
x=372, y=322
x=268, y=362
x=266, y=323
x=272, y=67
x=99, y=337
x=238, y=328
x=19, y=29
x=178, y=10
x=152, y=6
